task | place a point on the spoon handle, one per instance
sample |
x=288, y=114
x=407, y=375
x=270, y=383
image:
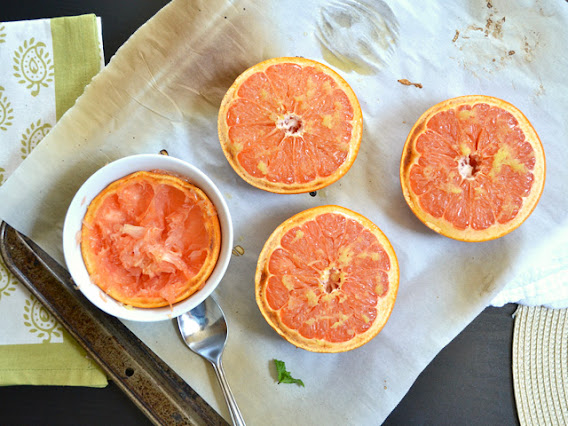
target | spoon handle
x=236, y=415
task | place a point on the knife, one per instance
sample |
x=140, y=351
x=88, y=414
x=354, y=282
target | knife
x=161, y=394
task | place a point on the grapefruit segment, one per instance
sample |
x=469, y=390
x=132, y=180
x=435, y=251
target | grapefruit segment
x=326, y=279
x=150, y=239
x=290, y=125
x=472, y=168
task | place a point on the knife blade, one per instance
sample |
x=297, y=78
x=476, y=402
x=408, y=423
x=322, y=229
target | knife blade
x=160, y=393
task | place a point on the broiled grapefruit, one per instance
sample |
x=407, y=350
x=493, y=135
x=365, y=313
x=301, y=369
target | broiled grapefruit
x=327, y=279
x=150, y=239
x=290, y=125
x=473, y=168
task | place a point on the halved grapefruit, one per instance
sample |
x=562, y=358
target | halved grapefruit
x=327, y=279
x=150, y=239
x=473, y=168
x=290, y=125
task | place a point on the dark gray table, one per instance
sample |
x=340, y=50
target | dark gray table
x=468, y=383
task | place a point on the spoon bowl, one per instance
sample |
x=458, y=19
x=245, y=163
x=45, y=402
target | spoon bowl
x=204, y=331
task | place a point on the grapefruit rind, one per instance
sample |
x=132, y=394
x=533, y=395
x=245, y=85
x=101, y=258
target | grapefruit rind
x=410, y=156
x=231, y=151
x=182, y=291
x=385, y=303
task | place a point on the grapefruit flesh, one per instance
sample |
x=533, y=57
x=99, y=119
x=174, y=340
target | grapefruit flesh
x=150, y=239
x=473, y=168
x=327, y=279
x=290, y=125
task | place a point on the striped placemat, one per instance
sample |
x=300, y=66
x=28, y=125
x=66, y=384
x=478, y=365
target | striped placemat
x=540, y=365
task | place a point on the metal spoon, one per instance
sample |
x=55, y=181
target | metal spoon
x=204, y=331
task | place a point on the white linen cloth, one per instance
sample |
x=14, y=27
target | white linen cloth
x=544, y=281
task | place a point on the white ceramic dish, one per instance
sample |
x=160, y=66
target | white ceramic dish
x=95, y=184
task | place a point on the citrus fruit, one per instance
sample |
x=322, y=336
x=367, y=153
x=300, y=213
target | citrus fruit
x=472, y=168
x=290, y=125
x=150, y=239
x=327, y=279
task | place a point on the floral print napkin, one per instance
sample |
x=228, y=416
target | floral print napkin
x=45, y=65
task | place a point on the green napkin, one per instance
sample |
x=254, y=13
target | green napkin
x=45, y=65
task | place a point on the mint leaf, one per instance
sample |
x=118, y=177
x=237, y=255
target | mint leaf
x=284, y=376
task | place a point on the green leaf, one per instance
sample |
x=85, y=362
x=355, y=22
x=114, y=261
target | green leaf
x=284, y=376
